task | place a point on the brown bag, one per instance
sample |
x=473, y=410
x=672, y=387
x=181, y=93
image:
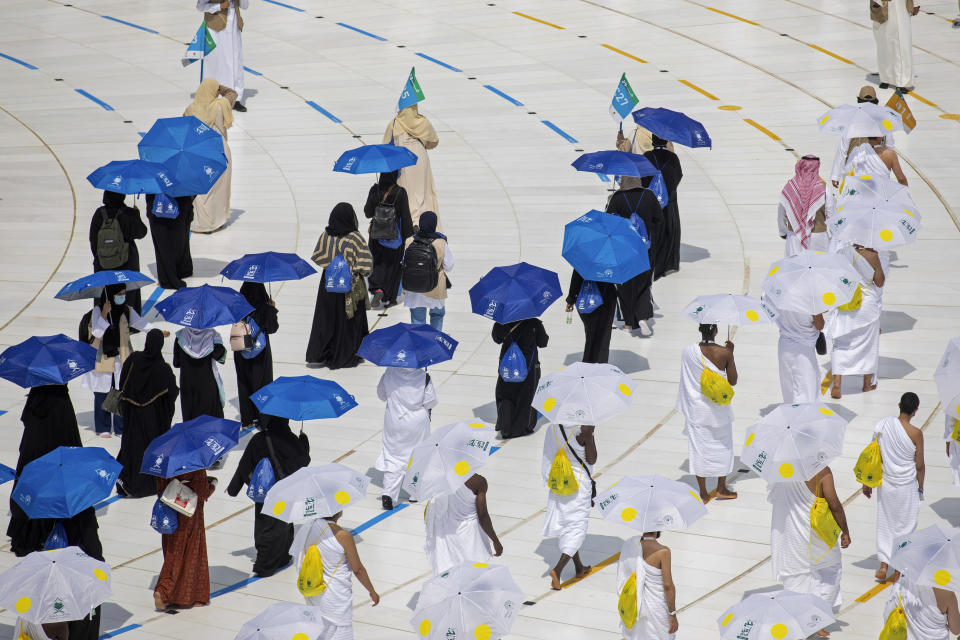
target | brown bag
x=879, y=11
x=218, y=21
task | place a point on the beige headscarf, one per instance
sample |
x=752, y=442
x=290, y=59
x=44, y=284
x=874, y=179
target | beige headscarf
x=206, y=103
x=410, y=121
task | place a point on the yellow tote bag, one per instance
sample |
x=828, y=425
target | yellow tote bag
x=895, y=628
x=869, y=467
x=956, y=431
x=714, y=386
x=822, y=522
x=561, y=479
x=310, y=581
x=855, y=301
x=627, y=605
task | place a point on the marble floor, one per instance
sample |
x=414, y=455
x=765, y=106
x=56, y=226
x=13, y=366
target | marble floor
x=516, y=89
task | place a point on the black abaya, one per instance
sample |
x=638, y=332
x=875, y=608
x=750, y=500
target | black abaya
x=598, y=324
x=515, y=413
x=132, y=228
x=386, y=262
x=257, y=372
x=669, y=165
x=199, y=392
x=335, y=338
x=171, y=244
x=634, y=294
x=82, y=531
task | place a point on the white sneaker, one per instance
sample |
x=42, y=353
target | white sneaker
x=645, y=329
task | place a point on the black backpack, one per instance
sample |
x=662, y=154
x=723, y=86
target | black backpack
x=421, y=270
x=383, y=226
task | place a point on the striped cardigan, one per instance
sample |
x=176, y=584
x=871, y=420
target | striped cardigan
x=351, y=246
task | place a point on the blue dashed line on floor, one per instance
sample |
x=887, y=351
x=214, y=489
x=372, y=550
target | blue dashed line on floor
x=92, y=97
x=503, y=95
x=366, y=33
x=566, y=136
x=324, y=111
x=130, y=24
x=439, y=62
x=18, y=61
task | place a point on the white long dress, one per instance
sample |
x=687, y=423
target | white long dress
x=895, y=45
x=653, y=615
x=406, y=421
x=336, y=602
x=708, y=426
x=925, y=621
x=567, y=516
x=898, y=500
x=453, y=531
x=797, y=348
x=417, y=179
x=225, y=62
x=855, y=334
x=954, y=449
x=211, y=210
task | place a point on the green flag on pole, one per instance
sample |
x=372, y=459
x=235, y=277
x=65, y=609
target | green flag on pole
x=412, y=93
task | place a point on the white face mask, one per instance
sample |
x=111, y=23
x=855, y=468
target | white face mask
x=120, y=299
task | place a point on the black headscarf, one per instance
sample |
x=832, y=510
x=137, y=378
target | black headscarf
x=428, y=226
x=146, y=375
x=116, y=310
x=113, y=200
x=388, y=179
x=658, y=142
x=255, y=293
x=49, y=421
x=343, y=220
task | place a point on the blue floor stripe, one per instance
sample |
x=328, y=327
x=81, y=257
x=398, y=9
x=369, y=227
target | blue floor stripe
x=2, y=412
x=503, y=95
x=121, y=630
x=249, y=70
x=18, y=61
x=566, y=136
x=233, y=587
x=366, y=33
x=129, y=24
x=439, y=62
x=152, y=300
x=281, y=4
x=324, y=111
x=90, y=96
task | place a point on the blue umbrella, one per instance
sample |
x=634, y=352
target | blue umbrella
x=604, y=247
x=132, y=176
x=268, y=267
x=615, y=163
x=43, y=360
x=192, y=151
x=673, y=126
x=303, y=398
x=204, y=307
x=6, y=473
x=92, y=286
x=189, y=446
x=407, y=345
x=66, y=481
x=375, y=158
x=520, y=291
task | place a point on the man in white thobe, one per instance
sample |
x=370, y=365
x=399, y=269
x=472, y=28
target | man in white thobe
x=797, y=350
x=225, y=62
x=891, y=29
x=838, y=170
x=459, y=528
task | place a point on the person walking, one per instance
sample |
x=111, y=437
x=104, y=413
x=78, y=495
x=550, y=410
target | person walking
x=114, y=230
x=171, y=238
x=932, y=613
x=211, y=105
x=459, y=528
x=255, y=369
x=870, y=157
x=801, y=213
x=664, y=159
x=516, y=416
x=837, y=172
x=197, y=353
x=433, y=299
x=894, y=36
x=413, y=131
x=651, y=563
x=797, y=354
x=225, y=63
x=387, y=206
x=597, y=324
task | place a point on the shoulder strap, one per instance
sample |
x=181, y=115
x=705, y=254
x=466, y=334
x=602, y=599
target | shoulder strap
x=277, y=469
x=383, y=198
x=583, y=465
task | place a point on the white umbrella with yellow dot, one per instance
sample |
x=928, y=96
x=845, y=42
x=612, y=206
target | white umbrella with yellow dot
x=794, y=442
x=929, y=557
x=868, y=188
x=584, y=393
x=860, y=121
x=445, y=459
x=315, y=492
x=651, y=503
x=874, y=223
x=284, y=621
x=781, y=615
x=54, y=586
x=947, y=377
x=810, y=282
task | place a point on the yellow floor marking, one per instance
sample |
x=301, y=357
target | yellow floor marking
x=762, y=128
x=698, y=89
x=730, y=15
x=950, y=116
x=593, y=570
x=624, y=53
x=729, y=107
x=549, y=24
x=922, y=99
x=874, y=591
x=831, y=54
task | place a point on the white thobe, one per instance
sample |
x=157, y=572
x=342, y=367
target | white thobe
x=453, y=531
x=406, y=422
x=799, y=371
x=925, y=621
x=567, y=516
x=839, y=169
x=225, y=62
x=895, y=45
x=954, y=449
x=708, y=425
x=856, y=334
x=336, y=602
x=653, y=615
x=898, y=499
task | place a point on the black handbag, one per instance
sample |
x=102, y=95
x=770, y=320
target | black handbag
x=383, y=226
x=822, y=344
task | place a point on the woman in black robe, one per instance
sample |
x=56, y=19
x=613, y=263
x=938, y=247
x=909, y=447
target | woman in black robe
x=148, y=403
x=515, y=413
x=82, y=531
x=385, y=279
x=271, y=537
x=636, y=305
x=171, y=243
x=132, y=228
x=598, y=324
x=195, y=353
x=256, y=372
x=669, y=165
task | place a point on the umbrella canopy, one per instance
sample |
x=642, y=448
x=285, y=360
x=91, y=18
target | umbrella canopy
x=870, y=189
x=947, y=377
x=54, y=586
x=783, y=615
x=473, y=600
x=191, y=151
x=66, y=481
x=651, y=503
x=204, y=307
x=268, y=267
x=604, y=247
x=810, y=282
x=929, y=557
x=315, y=492
x=864, y=120
x=727, y=308
x=284, y=621
x=132, y=176
x=92, y=286
x=189, y=446
x=615, y=163
x=43, y=360
x=407, y=345
x=303, y=398
x=516, y=292
x=794, y=442
x=375, y=158
x=6, y=474
x=584, y=393
x=673, y=126
x=447, y=458
x=876, y=224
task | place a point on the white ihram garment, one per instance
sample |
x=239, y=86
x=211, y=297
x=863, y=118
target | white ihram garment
x=336, y=602
x=568, y=516
x=856, y=334
x=898, y=500
x=453, y=531
x=954, y=449
x=865, y=161
x=839, y=169
x=708, y=426
x=895, y=45
x=653, y=615
x=799, y=370
x=225, y=62
x=925, y=621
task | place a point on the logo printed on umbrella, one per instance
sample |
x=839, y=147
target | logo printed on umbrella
x=451, y=634
x=446, y=343
x=214, y=445
x=416, y=479
x=58, y=608
x=73, y=365
x=201, y=129
x=491, y=309
x=401, y=356
x=208, y=171
x=120, y=276
x=310, y=507
x=251, y=272
x=26, y=499
x=745, y=631
x=166, y=181
x=157, y=464
x=189, y=316
x=760, y=461
x=606, y=273
x=349, y=163
x=117, y=180
x=103, y=474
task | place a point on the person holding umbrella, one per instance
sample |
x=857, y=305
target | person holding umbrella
x=171, y=238
x=384, y=196
x=516, y=416
x=869, y=156
x=255, y=371
x=197, y=352
x=413, y=131
x=212, y=105
x=114, y=230
x=664, y=159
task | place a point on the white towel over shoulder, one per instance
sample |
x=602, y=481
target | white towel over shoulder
x=898, y=502
x=925, y=621
x=453, y=531
x=653, y=615
x=709, y=426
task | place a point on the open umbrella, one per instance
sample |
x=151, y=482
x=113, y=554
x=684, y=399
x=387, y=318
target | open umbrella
x=42, y=360
x=862, y=120
x=469, y=600
x=615, y=163
x=605, y=248
x=515, y=292
x=204, y=307
x=727, y=308
x=875, y=224
x=132, y=176
x=673, y=126
x=929, y=557
x=66, y=481
x=6, y=474
x=191, y=151
x=54, y=586
x=303, y=398
x=284, y=621
x=871, y=189
x=947, y=377
x=375, y=158
x=189, y=446
x=781, y=615
x=407, y=345
x=447, y=458
x=92, y=286
x=269, y=266
x=794, y=442
x=584, y=393
x=651, y=503
x=315, y=492
x=810, y=282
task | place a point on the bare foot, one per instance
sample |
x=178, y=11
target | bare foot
x=869, y=387
x=823, y=633
x=726, y=494
x=158, y=602
x=554, y=580
x=881, y=574
x=835, y=393
x=584, y=571
x=705, y=497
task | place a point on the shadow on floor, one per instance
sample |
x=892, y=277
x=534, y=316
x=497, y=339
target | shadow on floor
x=249, y=552
x=871, y=563
x=948, y=509
x=221, y=576
x=594, y=549
x=690, y=253
x=895, y=368
x=893, y=321
x=112, y=616
x=486, y=412
x=628, y=361
x=207, y=267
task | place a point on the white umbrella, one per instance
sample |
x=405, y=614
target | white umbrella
x=651, y=503
x=875, y=188
x=469, y=600
x=445, y=459
x=810, y=282
x=947, y=377
x=584, y=393
x=55, y=586
x=315, y=492
x=875, y=224
x=929, y=557
x=794, y=442
x=284, y=621
x=863, y=120
x=729, y=309
x=781, y=615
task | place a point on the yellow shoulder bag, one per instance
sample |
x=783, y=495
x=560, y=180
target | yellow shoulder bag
x=895, y=628
x=956, y=431
x=855, y=301
x=714, y=386
x=310, y=580
x=561, y=479
x=627, y=605
x=23, y=635
x=869, y=467
x=822, y=522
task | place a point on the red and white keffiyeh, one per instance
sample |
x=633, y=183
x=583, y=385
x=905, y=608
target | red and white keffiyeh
x=803, y=196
